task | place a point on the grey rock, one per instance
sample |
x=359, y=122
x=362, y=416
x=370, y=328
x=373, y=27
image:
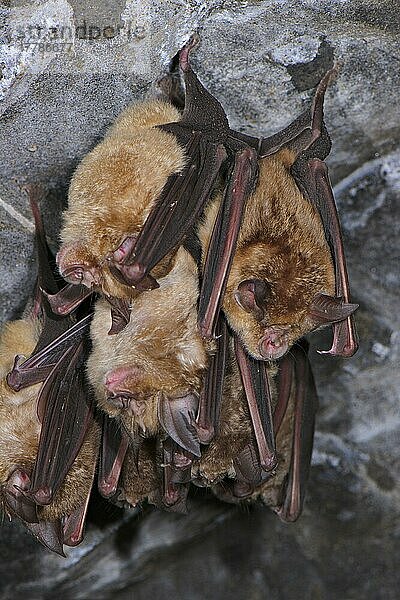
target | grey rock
x=261, y=59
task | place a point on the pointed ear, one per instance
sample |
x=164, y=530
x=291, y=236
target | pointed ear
x=325, y=310
x=252, y=296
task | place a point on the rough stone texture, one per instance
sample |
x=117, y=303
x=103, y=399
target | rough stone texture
x=261, y=59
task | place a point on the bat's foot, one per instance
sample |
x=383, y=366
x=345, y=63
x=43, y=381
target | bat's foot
x=184, y=53
x=217, y=461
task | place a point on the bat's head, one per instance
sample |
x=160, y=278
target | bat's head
x=131, y=374
x=111, y=195
x=282, y=300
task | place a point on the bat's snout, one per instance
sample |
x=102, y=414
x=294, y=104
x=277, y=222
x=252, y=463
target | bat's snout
x=274, y=343
x=75, y=269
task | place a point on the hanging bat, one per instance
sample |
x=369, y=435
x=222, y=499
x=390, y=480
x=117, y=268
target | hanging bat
x=209, y=149
x=110, y=196
x=148, y=375
x=48, y=437
x=135, y=197
x=231, y=464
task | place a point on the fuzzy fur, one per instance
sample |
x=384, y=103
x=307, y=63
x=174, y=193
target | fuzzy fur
x=235, y=430
x=139, y=481
x=114, y=188
x=282, y=242
x=20, y=427
x=159, y=351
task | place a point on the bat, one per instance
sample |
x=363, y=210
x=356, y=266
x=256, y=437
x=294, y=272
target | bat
x=110, y=196
x=148, y=375
x=207, y=404
x=284, y=272
x=231, y=464
x=43, y=482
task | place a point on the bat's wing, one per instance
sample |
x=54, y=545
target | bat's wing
x=48, y=281
x=42, y=361
x=66, y=411
x=177, y=418
x=47, y=271
x=57, y=334
x=120, y=314
x=241, y=184
x=68, y=299
x=16, y=501
x=48, y=533
x=114, y=446
x=298, y=135
x=211, y=394
x=257, y=390
x=311, y=176
x=74, y=524
x=295, y=136
x=308, y=137
x=297, y=405
x=248, y=472
x=176, y=464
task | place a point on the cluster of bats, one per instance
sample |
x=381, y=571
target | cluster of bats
x=194, y=259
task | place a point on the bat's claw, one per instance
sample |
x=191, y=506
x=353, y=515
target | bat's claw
x=68, y=299
x=193, y=42
x=14, y=378
x=205, y=433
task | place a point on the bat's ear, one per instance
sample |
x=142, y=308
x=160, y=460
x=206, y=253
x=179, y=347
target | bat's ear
x=325, y=310
x=252, y=296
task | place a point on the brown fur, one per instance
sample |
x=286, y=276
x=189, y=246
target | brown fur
x=114, y=188
x=235, y=429
x=140, y=481
x=20, y=427
x=282, y=242
x=160, y=348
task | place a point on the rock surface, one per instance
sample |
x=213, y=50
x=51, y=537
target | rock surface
x=261, y=59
